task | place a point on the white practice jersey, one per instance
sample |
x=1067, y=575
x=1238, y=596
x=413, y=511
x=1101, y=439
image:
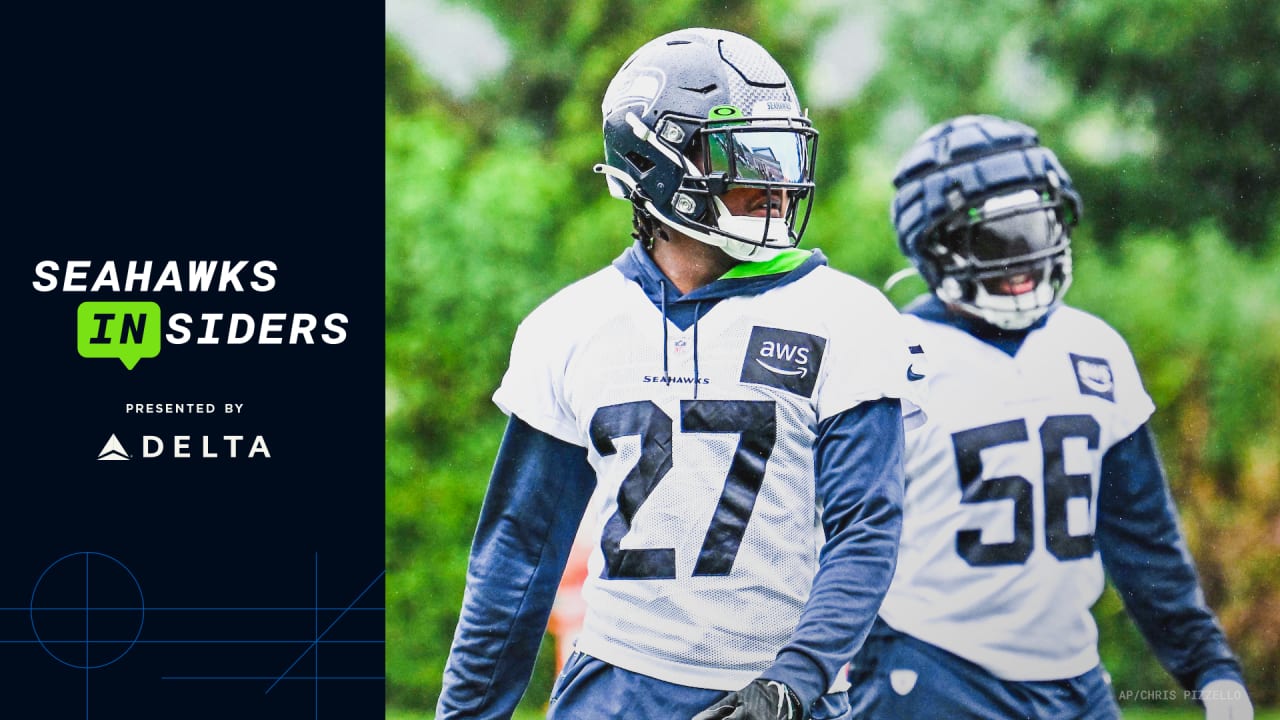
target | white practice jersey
x=997, y=561
x=705, y=517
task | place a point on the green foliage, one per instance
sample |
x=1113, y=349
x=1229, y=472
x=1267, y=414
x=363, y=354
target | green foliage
x=459, y=219
x=1163, y=112
x=1225, y=309
x=1201, y=72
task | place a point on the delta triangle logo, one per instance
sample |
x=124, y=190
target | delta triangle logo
x=113, y=450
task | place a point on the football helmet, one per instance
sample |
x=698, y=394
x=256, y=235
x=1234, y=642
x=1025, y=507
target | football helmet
x=984, y=211
x=698, y=112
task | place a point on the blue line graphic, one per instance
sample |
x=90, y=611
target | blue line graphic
x=106, y=586
x=327, y=629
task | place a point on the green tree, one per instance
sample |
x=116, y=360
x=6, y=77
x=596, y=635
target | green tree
x=1205, y=76
x=1164, y=113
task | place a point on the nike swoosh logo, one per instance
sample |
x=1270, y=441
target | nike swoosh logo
x=912, y=375
x=784, y=702
x=776, y=371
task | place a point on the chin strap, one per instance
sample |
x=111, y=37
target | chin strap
x=776, y=228
x=898, y=277
x=768, y=228
x=609, y=171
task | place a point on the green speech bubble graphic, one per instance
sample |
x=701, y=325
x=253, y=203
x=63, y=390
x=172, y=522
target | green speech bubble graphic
x=129, y=331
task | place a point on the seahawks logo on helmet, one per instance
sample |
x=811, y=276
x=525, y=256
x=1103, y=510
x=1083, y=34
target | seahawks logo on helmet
x=695, y=113
x=639, y=93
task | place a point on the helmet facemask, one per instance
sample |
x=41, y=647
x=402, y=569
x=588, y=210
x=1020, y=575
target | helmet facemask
x=1006, y=260
x=692, y=120
x=774, y=156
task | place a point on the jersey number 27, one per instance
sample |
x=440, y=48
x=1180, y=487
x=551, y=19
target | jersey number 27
x=755, y=424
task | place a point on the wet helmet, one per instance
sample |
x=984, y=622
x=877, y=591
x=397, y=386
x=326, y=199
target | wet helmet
x=696, y=113
x=984, y=211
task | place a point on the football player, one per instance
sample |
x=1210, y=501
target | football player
x=1036, y=474
x=736, y=407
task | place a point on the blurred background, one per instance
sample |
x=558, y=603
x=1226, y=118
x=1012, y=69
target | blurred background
x=1166, y=113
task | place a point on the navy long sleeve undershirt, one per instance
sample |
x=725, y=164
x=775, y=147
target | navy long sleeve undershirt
x=1146, y=557
x=858, y=465
x=537, y=494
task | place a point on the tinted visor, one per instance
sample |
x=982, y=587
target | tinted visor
x=1017, y=237
x=747, y=155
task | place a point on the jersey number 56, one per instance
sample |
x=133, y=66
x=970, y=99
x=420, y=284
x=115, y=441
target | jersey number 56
x=1059, y=487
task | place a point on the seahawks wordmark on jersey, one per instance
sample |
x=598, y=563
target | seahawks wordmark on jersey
x=702, y=442
x=997, y=561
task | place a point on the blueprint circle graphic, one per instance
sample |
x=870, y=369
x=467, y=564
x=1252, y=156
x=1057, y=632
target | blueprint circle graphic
x=87, y=610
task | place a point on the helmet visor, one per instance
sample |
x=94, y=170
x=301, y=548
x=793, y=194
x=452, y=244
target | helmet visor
x=754, y=156
x=1017, y=237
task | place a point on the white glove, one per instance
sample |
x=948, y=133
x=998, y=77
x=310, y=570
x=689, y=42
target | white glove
x=1226, y=700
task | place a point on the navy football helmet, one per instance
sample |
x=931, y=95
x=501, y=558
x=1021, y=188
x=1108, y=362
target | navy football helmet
x=696, y=113
x=984, y=212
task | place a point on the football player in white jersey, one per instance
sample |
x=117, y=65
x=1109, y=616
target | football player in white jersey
x=735, y=406
x=1036, y=473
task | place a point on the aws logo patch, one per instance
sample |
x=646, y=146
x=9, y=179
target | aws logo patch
x=1094, y=377
x=784, y=359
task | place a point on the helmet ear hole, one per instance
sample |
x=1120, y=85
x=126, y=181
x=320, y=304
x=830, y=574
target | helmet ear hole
x=641, y=163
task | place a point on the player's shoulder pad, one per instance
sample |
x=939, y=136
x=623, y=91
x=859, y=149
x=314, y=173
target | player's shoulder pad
x=843, y=295
x=581, y=304
x=1085, y=327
